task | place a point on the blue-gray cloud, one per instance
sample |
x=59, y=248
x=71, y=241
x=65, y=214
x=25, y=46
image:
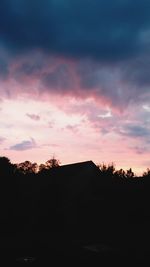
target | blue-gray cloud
x=105, y=30
x=24, y=145
x=136, y=131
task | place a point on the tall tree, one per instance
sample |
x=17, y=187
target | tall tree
x=52, y=163
x=27, y=167
x=6, y=167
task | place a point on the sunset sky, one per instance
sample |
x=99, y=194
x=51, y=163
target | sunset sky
x=75, y=81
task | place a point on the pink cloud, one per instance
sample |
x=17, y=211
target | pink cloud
x=40, y=76
x=86, y=94
x=2, y=139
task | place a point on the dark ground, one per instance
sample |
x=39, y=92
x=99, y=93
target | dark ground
x=48, y=222
x=55, y=249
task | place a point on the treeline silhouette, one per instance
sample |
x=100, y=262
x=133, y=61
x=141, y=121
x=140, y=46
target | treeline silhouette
x=115, y=208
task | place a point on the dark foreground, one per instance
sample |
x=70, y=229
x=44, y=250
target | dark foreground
x=74, y=216
x=47, y=249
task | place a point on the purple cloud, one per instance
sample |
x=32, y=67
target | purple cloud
x=72, y=128
x=141, y=149
x=24, y=145
x=33, y=116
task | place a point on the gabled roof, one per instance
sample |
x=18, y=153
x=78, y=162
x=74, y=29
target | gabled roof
x=75, y=178
x=75, y=167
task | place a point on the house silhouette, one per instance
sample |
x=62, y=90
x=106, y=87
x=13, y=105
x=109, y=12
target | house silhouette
x=65, y=195
x=76, y=178
x=54, y=207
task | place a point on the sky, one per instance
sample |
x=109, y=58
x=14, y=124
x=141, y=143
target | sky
x=75, y=81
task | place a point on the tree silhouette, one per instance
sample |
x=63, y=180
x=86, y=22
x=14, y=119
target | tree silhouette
x=42, y=167
x=107, y=169
x=52, y=163
x=6, y=167
x=7, y=193
x=120, y=174
x=146, y=173
x=49, y=164
x=27, y=167
x=129, y=174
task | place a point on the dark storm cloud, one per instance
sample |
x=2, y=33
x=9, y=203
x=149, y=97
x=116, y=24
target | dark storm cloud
x=109, y=40
x=59, y=78
x=137, y=72
x=105, y=30
x=99, y=79
x=4, y=64
x=4, y=68
x=122, y=83
x=28, y=68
